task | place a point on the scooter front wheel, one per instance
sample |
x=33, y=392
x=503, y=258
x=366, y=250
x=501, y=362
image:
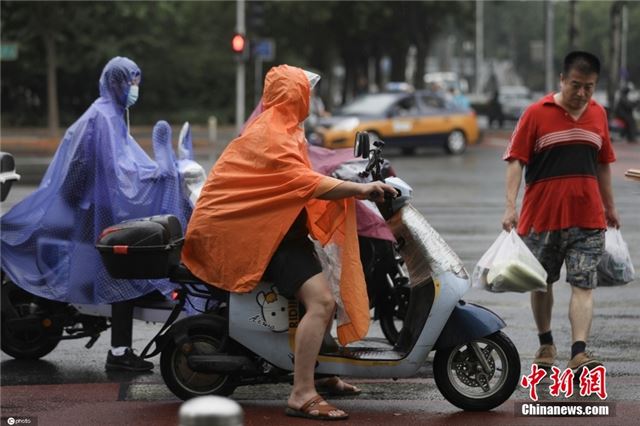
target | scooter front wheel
x=478, y=375
x=392, y=312
x=186, y=383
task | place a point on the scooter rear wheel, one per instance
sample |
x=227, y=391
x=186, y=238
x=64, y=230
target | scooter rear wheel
x=186, y=383
x=38, y=335
x=462, y=380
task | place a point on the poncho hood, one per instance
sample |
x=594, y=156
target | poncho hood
x=287, y=90
x=116, y=79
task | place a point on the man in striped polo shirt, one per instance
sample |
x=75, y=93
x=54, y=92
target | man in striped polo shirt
x=562, y=143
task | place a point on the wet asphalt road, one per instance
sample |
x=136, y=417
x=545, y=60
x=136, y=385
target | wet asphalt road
x=462, y=197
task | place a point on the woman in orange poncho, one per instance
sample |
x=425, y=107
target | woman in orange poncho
x=253, y=217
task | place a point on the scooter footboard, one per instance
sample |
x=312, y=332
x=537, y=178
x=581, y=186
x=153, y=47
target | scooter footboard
x=467, y=322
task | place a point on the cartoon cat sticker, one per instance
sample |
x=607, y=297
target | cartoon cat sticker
x=274, y=311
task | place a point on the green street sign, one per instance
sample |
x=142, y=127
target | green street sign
x=8, y=51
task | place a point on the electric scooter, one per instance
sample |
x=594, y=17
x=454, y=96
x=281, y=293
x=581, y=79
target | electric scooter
x=249, y=337
x=33, y=326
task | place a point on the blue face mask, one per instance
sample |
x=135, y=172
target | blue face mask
x=132, y=97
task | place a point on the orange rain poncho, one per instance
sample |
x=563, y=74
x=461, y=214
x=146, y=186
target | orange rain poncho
x=259, y=185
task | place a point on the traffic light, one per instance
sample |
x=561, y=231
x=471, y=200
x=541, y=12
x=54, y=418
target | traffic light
x=238, y=43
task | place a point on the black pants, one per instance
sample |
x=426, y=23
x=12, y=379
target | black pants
x=293, y=263
x=122, y=323
x=630, y=131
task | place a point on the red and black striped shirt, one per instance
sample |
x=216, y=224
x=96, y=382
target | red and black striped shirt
x=561, y=156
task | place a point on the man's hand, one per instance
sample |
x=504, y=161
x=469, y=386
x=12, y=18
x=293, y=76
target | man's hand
x=606, y=193
x=374, y=191
x=510, y=219
x=613, y=220
x=513, y=178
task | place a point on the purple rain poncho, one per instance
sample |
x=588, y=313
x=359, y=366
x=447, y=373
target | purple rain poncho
x=99, y=176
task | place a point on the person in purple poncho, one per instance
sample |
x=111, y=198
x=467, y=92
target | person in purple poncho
x=99, y=176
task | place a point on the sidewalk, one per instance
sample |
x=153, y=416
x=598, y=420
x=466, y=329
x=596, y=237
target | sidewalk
x=36, y=142
x=33, y=148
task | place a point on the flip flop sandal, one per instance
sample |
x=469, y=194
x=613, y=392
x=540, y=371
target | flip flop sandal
x=315, y=405
x=337, y=388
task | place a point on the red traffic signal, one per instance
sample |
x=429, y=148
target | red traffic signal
x=238, y=43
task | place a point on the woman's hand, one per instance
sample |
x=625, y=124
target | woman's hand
x=374, y=191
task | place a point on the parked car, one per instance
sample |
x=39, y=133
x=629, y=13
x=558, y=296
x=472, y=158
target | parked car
x=403, y=120
x=398, y=86
x=447, y=80
x=514, y=100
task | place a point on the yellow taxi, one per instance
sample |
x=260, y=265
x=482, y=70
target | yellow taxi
x=403, y=120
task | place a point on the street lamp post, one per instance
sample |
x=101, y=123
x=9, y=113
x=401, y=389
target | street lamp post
x=479, y=42
x=240, y=68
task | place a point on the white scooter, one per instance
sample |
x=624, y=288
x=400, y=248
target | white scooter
x=33, y=326
x=249, y=337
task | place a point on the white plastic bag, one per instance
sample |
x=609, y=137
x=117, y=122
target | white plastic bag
x=615, y=267
x=509, y=265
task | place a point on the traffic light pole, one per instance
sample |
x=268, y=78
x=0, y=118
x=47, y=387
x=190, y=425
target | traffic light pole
x=257, y=72
x=240, y=68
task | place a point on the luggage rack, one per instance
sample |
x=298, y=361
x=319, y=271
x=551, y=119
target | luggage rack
x=190, y=285
x=195, y=287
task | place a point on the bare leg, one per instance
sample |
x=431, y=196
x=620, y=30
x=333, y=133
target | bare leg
x=542, y=305
x=319, y=304
x=334, y=385
x=580, y=313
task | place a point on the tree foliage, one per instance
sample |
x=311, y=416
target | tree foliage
x=183, y=47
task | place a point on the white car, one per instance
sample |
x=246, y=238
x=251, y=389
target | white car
x=514, y=100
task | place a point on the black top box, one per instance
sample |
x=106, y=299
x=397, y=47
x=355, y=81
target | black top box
x=144, y=248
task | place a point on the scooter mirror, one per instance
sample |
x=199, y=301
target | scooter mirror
x=8, y=174
x=361, y=146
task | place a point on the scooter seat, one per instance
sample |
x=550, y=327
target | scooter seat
x=181, y=274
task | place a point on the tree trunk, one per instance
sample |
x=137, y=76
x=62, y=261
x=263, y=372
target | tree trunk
x=573, y=25
x=398, y=64
x=348, y=87
x=379, y=78
x=614, y=48
x=421, y=58
x=53, y=120
x=376, y=57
